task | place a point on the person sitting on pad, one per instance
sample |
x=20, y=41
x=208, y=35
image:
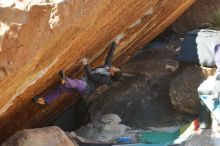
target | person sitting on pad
x=210, y=88
x=102, y=75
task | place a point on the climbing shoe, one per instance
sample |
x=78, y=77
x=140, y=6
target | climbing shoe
x=39, y=100
x=62, y=77
x=35, y=98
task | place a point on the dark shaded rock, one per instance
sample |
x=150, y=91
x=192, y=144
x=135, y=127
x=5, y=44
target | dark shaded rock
x=67, y=121
x=183, y=89
x=197, y=16
x=141, y=99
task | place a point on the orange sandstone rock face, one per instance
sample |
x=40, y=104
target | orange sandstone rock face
x=55, y=35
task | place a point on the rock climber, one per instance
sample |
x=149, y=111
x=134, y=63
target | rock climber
x=102, y=75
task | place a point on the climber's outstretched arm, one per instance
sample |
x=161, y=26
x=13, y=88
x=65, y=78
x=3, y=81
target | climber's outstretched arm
x=109, y=57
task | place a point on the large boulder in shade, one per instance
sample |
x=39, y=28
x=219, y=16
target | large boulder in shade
x=141, y=98
x=49, y=136
x=197, y=16
x=183, y=87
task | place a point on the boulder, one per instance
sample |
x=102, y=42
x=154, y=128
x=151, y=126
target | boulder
x=50, y=35
x=203, y=139
x=105, y=129
x=197, y=16
x=141, y=98
x=184, y=85
x=48, y=136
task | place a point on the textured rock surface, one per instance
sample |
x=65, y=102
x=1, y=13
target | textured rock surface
x=105, y=129
x=183, y=87
x=49, y=136
x=54, y=35
x=196, y=16
x=204, y=139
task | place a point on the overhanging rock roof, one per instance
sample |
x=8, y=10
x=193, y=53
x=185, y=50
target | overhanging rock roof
x=54, y=36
